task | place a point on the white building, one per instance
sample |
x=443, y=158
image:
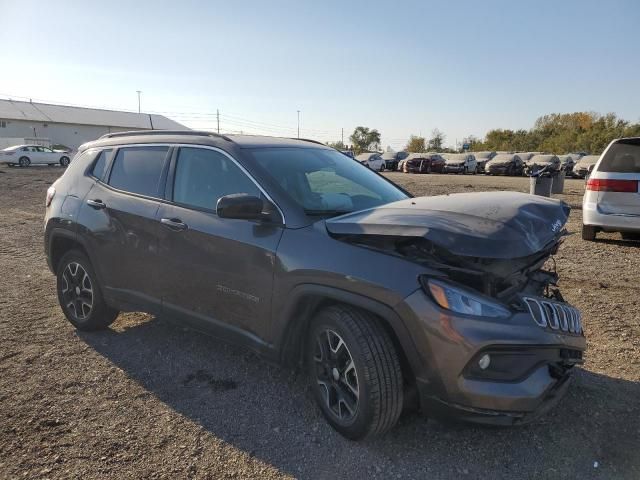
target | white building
x=71, y=126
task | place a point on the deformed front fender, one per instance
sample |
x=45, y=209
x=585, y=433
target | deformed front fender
x=290, y=325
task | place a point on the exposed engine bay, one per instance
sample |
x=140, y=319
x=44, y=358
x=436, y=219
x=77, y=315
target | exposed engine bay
x=498, y=243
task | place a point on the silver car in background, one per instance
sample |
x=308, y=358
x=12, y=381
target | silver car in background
x=482, y=158
x=459, y=163
x=583, y=168
x=539, y=162
x=611, y=201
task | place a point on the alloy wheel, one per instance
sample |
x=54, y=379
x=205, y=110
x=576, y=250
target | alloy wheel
x=77, y=290
x=336, y=375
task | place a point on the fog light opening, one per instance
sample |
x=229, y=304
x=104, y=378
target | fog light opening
x=484, y=361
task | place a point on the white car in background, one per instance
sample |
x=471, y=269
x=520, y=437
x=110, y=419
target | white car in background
x=25, y=155
x=460, y=163
x=372, y=160
x=611, y=200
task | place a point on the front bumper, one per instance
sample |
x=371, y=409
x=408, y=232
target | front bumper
x=453, y=168
x=498, y=169
x=449, y=344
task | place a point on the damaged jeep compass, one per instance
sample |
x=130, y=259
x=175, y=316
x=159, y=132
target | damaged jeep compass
x=288, y=247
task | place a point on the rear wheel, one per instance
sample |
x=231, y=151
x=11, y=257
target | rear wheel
x=64, y=161
x=354, y=371
x=382, y=168
x=24, y=162
x=79, y=293
x=589, y=232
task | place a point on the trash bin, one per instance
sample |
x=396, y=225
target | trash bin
x=558, y=182
x=540, y=185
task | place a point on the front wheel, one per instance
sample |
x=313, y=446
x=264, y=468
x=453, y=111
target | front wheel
x=79, y=293
x=381, y=168
x=24, y=162
x=64, y=161
x=354, y=371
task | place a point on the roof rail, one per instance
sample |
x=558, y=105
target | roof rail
x=141, y=133
x=308, y=140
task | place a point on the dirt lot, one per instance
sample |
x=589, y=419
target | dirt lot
x=149, y=399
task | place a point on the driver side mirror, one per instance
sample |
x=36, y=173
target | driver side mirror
x=240, y=206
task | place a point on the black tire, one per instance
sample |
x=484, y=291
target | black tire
x=64, y=161
x=375, y=364
x=70, y=287
x=589, y=232
x=381, y=168
x=630, y=236
x=24, y=161
x=428, y=170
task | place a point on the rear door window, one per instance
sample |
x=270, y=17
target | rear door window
x=138, y=170
x=622, y=157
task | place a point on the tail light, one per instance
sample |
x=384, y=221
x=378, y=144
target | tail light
x=51, y=192
x=605, y=185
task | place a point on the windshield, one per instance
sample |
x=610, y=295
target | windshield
x=325, y=182
x=455, y=158
x=502, y=158
x=539, y=159
x=482, y=155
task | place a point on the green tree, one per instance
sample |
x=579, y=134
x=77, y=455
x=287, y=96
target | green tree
x=364, y=139
x=416, y=144
x=337, y=145
x=436, y=141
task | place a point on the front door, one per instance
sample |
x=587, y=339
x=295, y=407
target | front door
x=217, y=273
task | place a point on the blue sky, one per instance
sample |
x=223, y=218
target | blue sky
x=463, y=67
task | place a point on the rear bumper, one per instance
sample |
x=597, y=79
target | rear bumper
x=592, y=215
x=452, y=169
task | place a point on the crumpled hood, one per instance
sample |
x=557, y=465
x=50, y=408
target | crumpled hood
x=496, y=225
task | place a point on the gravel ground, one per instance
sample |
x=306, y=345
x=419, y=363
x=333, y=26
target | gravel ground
x=150, y=399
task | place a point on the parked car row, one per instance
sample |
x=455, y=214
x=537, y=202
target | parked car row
x=488, y=162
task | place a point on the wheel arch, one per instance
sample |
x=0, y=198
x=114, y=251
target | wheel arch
x=306, y=300
x=60, y=241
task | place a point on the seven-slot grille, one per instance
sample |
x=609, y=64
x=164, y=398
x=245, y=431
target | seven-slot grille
x=557, y=316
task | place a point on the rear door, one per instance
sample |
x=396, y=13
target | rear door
x=617, y=175
x=217, y=273
x=119, y=222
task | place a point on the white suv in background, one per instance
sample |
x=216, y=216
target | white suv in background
x=611, y=201
x=372, y=160
x=25, y=155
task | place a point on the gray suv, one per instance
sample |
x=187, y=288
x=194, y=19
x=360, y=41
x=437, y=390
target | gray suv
x=311, y=259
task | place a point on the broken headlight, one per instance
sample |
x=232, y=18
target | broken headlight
x=460, y=300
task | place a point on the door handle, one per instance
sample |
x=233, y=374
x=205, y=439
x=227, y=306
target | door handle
x=97, y=204
x=174, y=224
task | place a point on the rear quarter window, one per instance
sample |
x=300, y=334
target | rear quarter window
x=622, y=157
x=100, y=165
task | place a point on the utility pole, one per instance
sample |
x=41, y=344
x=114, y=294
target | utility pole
x=139, y=92
x=342, y=137
x=218, y=117
x=298, y=123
